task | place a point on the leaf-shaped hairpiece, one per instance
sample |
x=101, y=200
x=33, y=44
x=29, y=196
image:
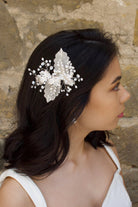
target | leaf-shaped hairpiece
x=63, y=68
x=62, y=71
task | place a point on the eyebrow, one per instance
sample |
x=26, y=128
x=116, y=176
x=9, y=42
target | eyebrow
x=116, y=79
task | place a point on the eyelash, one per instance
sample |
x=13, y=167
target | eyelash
x=117, y=87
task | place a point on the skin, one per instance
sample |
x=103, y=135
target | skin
x=77, y=175
x=101, y=113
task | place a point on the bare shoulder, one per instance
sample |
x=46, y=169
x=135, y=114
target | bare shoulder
x=12, y=194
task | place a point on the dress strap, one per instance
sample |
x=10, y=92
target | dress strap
x=29, y=186
x=113, y=156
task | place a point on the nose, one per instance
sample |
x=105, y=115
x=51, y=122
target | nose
x=125, y=95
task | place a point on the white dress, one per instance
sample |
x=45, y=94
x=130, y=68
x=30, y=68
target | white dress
x=117, y=195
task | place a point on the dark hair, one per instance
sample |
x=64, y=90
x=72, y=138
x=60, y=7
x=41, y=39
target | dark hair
x=40, y=142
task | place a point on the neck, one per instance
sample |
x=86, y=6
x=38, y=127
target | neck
x=78, y=147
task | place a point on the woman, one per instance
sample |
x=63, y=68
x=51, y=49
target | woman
x=60, y=154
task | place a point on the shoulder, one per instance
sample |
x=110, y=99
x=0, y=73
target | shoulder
x=13, y=195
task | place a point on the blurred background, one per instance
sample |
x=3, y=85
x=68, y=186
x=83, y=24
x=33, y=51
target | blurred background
x=24, y=24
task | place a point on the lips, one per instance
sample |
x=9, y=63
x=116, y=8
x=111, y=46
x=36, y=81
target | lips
x=121, y=115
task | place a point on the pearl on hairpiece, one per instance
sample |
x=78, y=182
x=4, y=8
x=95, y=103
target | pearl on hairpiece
x=61, y=80
x=42, y=63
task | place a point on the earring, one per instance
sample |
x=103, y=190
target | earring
x=74, y=121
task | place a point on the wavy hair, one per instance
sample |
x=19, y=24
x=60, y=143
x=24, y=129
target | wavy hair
x=40, y=142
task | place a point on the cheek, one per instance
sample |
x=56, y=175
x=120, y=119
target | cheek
x=101, y=115
x=102, y=109
x=105, y=105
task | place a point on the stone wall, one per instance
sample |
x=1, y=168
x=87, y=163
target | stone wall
x=23, y=24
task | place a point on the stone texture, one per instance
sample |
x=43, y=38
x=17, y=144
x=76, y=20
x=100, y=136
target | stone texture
x=10, y=42
x=23, y=24
x=130, y=82
x=34, y=5
x=7, y=112
x=131, y=180
x=135, y=205
x=63, y=24
x=127, y=144
x=136, y=30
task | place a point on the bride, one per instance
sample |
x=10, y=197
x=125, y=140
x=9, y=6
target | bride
x=70, y=97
